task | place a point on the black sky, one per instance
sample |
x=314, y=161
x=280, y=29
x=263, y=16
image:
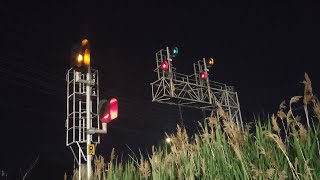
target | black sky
x=262, y=48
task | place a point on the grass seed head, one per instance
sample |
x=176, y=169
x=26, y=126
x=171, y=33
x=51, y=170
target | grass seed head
x=316, y=108
x=120, y=168
x=308, y=96
x=112, y=155
x=295, y=99
x=222, y=113
x=262, y=150
x=269, y=173
x=206, y=136
x=275, y=125
x=296, y=162
x=180, y=173
x=203, y=166
x=236, y=150
x=303, y=134
x=282, y=105
x=307, y=170
x=99, y=166
x=255, y=172
x=282, y=175
x=144, y=168
x=278, y=140
x=75, y=174
x=281, y=113
x=198, y=141
x=213, y=122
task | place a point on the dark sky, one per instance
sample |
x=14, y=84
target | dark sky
x=263, y=49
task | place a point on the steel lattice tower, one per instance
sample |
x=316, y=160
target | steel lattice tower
x=184, y=90
x=77, y=118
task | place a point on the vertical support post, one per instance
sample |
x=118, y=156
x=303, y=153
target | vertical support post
x=196, y=76
x=157, y=61
x=80, y=165
x=67, y=120
x=98, y=98
x=74, y=108
x=88, y=110
x=208, y=82
x=81, y=123
x=170, y=70
x=180, y=112
x=200, y=81
x=229, y=108
x=239, y=111
x=204, y=116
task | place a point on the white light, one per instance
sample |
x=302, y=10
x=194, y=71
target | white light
x=168, y=140
x=106, y=116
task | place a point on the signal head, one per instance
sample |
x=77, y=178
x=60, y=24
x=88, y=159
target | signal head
x=84, y=42
x=174, y=51
x=80, y=58
x=164, y=66
x=203, y=75
x=210, y=62
x=108, y=110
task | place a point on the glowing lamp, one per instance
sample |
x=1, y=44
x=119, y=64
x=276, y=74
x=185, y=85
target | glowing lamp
x=84, y=42
x=203, y=75
x=164, y=66
x=174, y=51
x=108, y=110
x=81, y=56
x=211, y=61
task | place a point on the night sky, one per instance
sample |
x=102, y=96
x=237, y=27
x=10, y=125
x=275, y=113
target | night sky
x=263, y=49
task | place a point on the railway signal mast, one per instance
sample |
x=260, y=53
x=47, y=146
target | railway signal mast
x=84, y=110
x=195, y=90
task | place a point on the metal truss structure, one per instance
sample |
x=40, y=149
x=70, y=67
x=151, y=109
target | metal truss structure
x=77, y=117
x=191, y=90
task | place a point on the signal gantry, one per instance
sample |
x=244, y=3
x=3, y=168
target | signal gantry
x=195, y=90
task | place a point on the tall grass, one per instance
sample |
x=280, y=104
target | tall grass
x=279, y=146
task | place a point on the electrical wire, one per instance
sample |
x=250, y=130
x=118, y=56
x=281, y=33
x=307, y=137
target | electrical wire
x=125, y=99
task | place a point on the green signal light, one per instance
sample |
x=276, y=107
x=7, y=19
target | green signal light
x=174, y=52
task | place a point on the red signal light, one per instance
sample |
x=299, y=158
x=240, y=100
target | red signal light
x=108, y=112
x=203, y=75
x=113, y=108
x=164, y=66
